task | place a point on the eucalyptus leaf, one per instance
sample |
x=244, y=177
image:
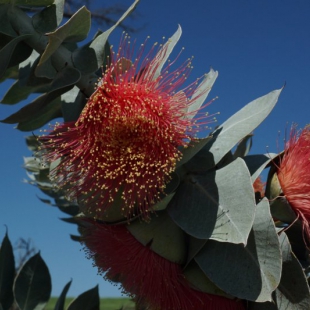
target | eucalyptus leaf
x=74, y=30
x=244, y=146
x=295, y=234
x=7, y=55
x=162, y=236
x=76, y=238
x=202, y=91
x=209, y=206
x=281, y=210
x=5, y=24
x=46, y=69
x=194, y=246
x=252, y=272
x=27, y=67
x=49, y=18
x=88, y=300
x=60, y=304
x=7, y=273
x=43, y=105
x=46, y=201
x=72, y=104
x=242, y=123
x=199, y=281
x=273, y=186
x=32, y=286
x=191, y=150
x=32, y=164
x=262, y=306
x=27, y=74
x=114, y=214
x=29, y=111
x=4, y=40
x=49, y=112
x=10, y=73
x=162, y=56
x=293, y=290
x=163, y=203
x=70, y=209
x=30, y=3
x=32, y=143
x=257, y=163
x=17, y=93
x=95, y=51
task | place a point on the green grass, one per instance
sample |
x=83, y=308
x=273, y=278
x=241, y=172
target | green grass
x=105, y=303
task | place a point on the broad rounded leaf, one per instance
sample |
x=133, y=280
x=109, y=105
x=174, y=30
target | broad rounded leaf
x=199, y=281
x=191, y=150
x=293, y=290
x=6, y=53
x=252, y=272
x=282, y=211
x=88, y=300
x=162, y=235
x=49, y=112
x=17, y=93
x=7, y=273
x=49, y=18
x=168, y=194
x=27, y=72
x=262, y=306
x=32, y=287
x=241, y=124
x=74, y=30
x=62, y=83
x=163, y=203
x=46, y=69
x=10, y=73
x=194, y=246
x=72, y=104
x=5, y=25
x=210, y=205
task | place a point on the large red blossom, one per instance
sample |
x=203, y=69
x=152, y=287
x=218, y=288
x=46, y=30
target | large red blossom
x=294, y=175
x=152, y=280
x=124, y=145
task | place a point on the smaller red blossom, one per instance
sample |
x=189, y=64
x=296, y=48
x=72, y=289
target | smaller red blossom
x=259, y=186
x=151, y=279
x=125, y=144
x=294, y=175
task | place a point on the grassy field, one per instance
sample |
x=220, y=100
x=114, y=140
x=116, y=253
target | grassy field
x=105, y=303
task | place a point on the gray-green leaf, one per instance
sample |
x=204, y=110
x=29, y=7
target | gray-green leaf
x=94, y=52
x=162, y=235
x=252, y=272
x=32, y=286
x=74, y=30
x=219, y=204
x=293, y=290
x=241, y=124
x=88, y=300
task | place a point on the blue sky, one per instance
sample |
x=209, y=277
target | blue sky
x=256, y=46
